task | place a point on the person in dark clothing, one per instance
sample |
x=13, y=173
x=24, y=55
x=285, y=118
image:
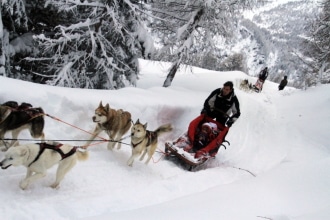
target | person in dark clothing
x=263, y=74
x=261, y=80
x=207, y=132
x=283, y=83
x=222, y=105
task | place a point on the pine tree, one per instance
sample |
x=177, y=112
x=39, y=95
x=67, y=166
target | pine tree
x=99, y=48
x=2, y=52
x=322, y=43
x=13, y=21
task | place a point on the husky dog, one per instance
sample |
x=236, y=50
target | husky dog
x=38, y=158
x=15, y=118
x=115, y=122
x=245, y=85
x=145, y=141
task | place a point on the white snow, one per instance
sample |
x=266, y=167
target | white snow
x=281, y=137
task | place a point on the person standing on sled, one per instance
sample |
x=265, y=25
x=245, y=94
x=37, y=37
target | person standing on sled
x=263, y=74
x=261, y=79
x=221, y=105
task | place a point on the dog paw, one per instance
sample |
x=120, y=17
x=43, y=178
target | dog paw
x=110, y=148
x=55, y=185
x=24, y=184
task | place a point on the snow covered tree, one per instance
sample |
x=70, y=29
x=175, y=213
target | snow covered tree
x=322, y=43
x=13, y=20
x=276, y=37
x=100, y=46
x=2, y=47
x=234, y=62
x=187, y=29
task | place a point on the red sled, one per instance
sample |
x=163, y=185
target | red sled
x=258, y=86
x=199, y=144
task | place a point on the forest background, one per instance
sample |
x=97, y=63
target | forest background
x=96, y=44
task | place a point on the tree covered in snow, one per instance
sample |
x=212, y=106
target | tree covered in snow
x=97, y=43
x=276, y=37
x=13, y=20
x=99, y=48
x=321, y=39
x=21, y=20
x=189, y=30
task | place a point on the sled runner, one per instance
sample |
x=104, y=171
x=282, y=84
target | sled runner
x=174, y=149
x=199, y=144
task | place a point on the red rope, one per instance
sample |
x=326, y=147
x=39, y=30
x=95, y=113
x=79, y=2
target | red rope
x=57, y=119
x=162, y=156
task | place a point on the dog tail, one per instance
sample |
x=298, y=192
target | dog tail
x=82, y=155
x=163, y=129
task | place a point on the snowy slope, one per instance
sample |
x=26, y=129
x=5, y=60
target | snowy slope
x=280, y=137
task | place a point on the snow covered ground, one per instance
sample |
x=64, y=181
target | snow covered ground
x=281, y=137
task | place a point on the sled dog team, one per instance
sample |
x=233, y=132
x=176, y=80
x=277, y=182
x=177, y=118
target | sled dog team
x=38, y=158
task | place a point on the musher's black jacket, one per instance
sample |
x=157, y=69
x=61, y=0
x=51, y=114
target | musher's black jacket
x=222, y=107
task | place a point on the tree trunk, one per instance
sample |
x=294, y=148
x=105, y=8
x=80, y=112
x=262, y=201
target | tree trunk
x=171, y=74
x=2, y=49
x=189, y=30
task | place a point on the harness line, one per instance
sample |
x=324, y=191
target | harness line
x=100, y=142
x=57, y=119
x=162, y=156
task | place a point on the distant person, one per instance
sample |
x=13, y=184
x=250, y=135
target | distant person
x=263, y=74
x=261, y=80
x=283, y=83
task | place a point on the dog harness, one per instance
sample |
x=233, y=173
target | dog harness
x=27, y=113
x=152, y=136
x=56, y=148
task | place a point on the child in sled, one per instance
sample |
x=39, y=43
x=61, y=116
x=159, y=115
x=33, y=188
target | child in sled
x=205, y=136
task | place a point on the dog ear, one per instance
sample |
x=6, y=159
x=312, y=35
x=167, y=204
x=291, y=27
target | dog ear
x=107, y=107
x=137, y=121
x=145, y=125
x=100, y=105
